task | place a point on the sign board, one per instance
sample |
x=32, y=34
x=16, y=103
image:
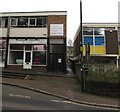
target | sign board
x=28, y=41
x=56, y=30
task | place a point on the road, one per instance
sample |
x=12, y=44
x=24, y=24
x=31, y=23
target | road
x=16, y=98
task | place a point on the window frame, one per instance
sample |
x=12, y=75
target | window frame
x=16, y=22
x=94, y=35
x=30, y=18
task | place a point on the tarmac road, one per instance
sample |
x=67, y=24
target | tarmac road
x=15, y=98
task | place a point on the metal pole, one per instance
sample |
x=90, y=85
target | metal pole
x=81, y=50
x=81, y=27
x=7, y=42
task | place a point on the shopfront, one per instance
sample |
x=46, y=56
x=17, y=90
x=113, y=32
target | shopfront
x=34, y=40
x=27, y=53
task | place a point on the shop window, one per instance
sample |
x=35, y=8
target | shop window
x=22, y=21
x=99, y=41
x=14, y=21
x=87, y=31
x=88, y=39
x=32, y=21
x=2, y=49
x=16, y=57
x=39, y=57
x=16, y=47
x=39, y=47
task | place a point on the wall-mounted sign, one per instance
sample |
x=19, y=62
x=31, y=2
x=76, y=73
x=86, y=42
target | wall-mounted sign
x=28, y=41
x=56, y=30
x=59, y=60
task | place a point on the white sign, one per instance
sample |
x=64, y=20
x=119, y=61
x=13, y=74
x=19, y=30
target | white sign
x=59, y=60
x=56, y=30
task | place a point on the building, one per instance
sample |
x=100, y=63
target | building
x=34, y=40
x=104, y=39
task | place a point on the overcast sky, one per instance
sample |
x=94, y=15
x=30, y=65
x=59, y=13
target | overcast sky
x=93, y=10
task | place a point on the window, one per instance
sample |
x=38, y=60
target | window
x=95, y=36
x=98, y=31
x=99, y=41
x=14, y=21
x=3, y=22
x=88, y=39
x=39, y=54
x=2, y=49
x=39, y=47
x=42, y=21
x=16, y=57
x=39, y=57
x=39, y=22
x=87, y=31
x=16, y=53
x=23, y=21
x=32, y=21
x=16, y=47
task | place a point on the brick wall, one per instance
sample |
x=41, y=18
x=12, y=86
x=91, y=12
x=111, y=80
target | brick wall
x=57, y=20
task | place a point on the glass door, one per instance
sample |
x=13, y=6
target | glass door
x=27, y=60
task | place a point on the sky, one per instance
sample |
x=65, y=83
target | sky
x=104, y=11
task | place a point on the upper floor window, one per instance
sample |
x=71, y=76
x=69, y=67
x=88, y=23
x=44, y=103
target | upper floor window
x=29, y=22
x=42, y=21
x=3, y=22
x=32, y=21
x=23, y=21
x=14, y=21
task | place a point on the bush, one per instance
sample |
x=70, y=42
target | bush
x=104, y=76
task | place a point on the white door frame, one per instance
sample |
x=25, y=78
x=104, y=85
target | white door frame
x=27, y=65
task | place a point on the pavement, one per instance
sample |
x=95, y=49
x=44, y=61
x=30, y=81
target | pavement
x=65, y=86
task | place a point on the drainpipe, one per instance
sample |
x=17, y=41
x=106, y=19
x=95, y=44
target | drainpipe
x=7, y=43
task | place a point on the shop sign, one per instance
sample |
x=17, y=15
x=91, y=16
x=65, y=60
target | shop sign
x=28, y=41
x=56, y=30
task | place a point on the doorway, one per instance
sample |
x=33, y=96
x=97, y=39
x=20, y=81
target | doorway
x=27, y=60
x=56, y=62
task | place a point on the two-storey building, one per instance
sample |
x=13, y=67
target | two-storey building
x=34, y=40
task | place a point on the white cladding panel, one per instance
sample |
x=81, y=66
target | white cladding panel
x=3, y=32
x=28, y=32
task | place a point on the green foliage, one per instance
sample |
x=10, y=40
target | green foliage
x=109, y=75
